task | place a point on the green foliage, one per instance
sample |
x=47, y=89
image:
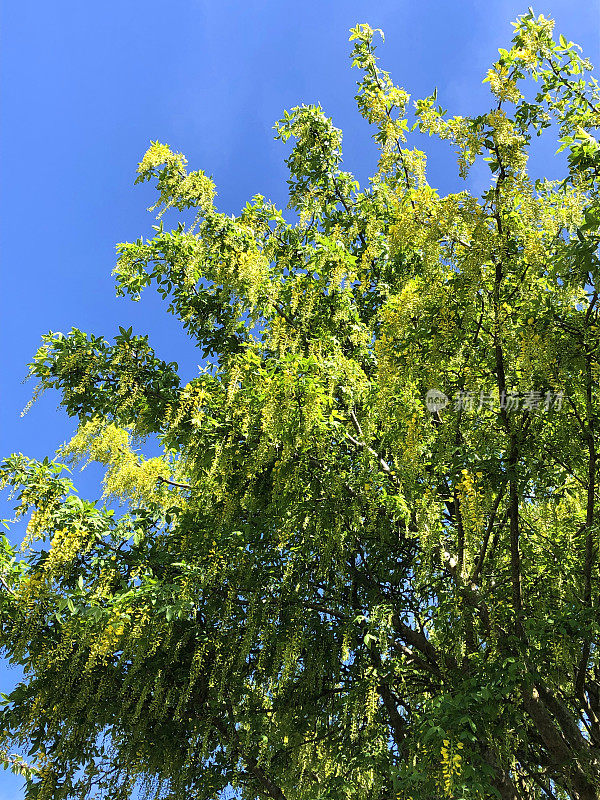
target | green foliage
x=327, y=587
x=125, y=382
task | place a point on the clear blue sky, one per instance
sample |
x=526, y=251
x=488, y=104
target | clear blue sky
x=85, y=86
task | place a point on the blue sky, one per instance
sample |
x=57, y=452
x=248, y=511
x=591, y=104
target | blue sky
x=86, y=86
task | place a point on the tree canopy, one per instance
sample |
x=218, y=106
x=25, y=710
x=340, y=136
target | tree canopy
x=365, y=563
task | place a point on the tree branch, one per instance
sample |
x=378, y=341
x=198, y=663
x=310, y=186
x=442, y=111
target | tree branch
x=174, y=483
x=258, y=773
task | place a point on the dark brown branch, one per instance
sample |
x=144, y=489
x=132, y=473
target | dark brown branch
x=513, y=456
x=174, y=483
x=390, y=701
x=474, y=577
x=417, y=641
x=590, y=550
x=255, y=770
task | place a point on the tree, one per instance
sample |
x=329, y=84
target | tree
x=366, y=563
